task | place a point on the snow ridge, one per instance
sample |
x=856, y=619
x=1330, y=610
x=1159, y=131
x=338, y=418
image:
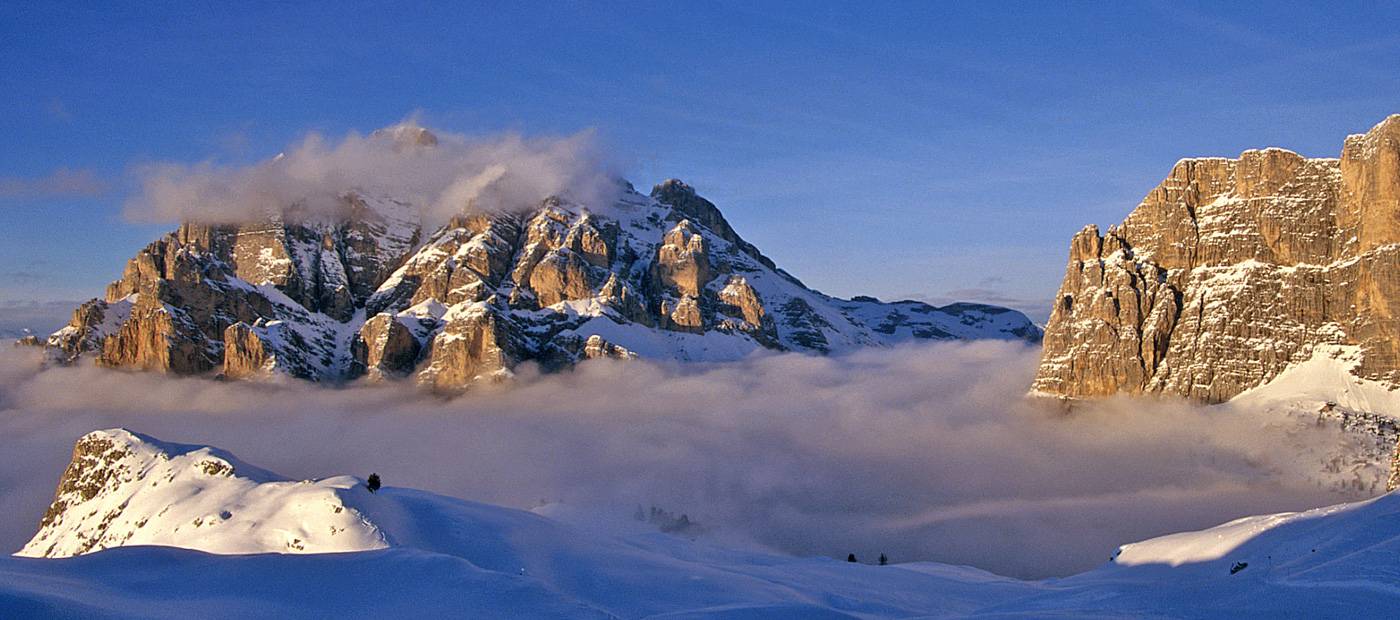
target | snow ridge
x=123, y=488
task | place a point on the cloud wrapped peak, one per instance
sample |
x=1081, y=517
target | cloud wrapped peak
x=407, y=135
x=441, y=173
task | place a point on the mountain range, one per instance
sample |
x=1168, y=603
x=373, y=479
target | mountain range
x=369, y=291
x=1268, y=281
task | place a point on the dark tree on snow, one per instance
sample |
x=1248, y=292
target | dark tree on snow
x=884, y=560
x=851, y=557
x=372, y=483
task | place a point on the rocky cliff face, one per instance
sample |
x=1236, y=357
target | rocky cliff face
x=369, y=293
x=1233, y=269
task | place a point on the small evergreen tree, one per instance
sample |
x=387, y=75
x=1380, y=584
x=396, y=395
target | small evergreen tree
x=884, y=559
x=372, y=483
x=851, y=557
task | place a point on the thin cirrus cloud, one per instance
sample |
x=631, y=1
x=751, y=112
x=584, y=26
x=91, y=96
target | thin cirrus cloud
x=61, y=183
x=58, y=110
x=922, y=453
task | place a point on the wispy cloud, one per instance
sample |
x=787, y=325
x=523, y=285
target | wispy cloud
x=22, y=276
x=456, y=173
x=61, y=183
x=58, y=111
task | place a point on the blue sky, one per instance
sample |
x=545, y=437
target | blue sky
x=934, y=150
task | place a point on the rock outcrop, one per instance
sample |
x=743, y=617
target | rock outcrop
x=369, y=293
x=1230, y=271
x=1393, y=481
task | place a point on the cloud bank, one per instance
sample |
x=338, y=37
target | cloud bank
x=442, y=175
x=923, y=453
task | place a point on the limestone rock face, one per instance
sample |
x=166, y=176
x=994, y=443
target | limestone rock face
x=745, y=311
x=245, y=354
x=287, y=284
x=565, y=258
x=476, y=344
x=683, y=314
x=386, y=347
x=1393, y=481
x=158, y=337
x=1230, y=271
x=92, y=323
x=370, y=293
x=682, y=261
x=598, y=348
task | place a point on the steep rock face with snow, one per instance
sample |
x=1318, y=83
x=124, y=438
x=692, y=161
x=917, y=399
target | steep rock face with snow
x=368, y=292
x=1232, y=270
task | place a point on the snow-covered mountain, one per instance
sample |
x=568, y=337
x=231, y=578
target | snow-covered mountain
x=368, y=291
x=242, y=541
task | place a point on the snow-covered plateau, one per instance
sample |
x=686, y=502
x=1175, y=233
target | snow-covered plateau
x=141, y=528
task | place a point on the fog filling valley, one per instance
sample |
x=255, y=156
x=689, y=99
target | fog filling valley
x=926, y=452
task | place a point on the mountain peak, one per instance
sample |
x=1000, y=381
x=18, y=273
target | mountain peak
x=1364, y=146
x=406, y=135
x=671, y=188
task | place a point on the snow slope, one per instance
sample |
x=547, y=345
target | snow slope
x=1324, y=389
x=123, y=488
x=426, y=555
x=1334, y=562
x=1329, y=376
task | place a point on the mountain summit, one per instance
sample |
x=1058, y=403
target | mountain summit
x=369, y=292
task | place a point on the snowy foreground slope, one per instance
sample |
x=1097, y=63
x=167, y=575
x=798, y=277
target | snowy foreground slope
x=408, y=552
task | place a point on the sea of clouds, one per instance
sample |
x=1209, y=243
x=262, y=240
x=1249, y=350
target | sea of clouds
x=924, y=453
